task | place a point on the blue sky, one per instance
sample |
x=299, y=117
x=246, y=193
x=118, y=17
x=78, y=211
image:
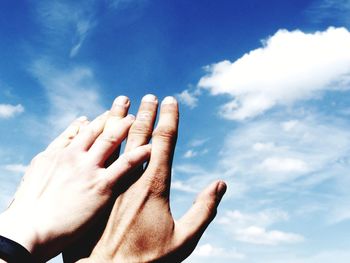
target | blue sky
x=264, y=92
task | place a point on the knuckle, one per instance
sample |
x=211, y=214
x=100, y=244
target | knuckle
x=104, y=187
x=156, y=185
x=144, y=115
x=109, y=138
x=165, y=133
x=140, y=129
x=67, y=157
x=90, y=132
x=127, y=161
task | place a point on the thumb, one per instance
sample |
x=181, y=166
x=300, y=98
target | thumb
x=193, y=224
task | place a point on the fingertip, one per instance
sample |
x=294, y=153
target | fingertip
x=214, y=192
x=121, y=101
x=82, y=119
x=169, y=100
x=149, y=98
x=221, y=188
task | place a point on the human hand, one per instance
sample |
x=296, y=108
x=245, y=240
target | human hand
x=66, y=187
x=141, y=227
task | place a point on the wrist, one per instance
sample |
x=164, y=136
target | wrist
x=17, y=228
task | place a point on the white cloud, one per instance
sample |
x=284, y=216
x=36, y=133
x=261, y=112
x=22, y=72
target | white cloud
x=122, y=4
x=284, y=165
x=208, y=250
x=330, y=11
x=198, y=142
x=323, y=255
x=262, y=218
x=252, y=227
x=82, y=29
x=8, y=110
x=269, y=153
x=183, y=187
x=71, y=93
x=189, y=169
x=15, y=168
x=291, y=66
x=259, y=235
x=190, y=154
x=67, y=20
x=188, y=98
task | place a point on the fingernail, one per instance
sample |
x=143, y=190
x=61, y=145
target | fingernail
x=82, y=118
x=149, y=98
x=121, y=100
x=169, y=100
x=220, y=190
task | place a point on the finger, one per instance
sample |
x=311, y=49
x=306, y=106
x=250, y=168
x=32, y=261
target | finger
x=68, y=135
x=193, y=224
x=126, y=162
x=119, y=110
x=89, y=134
x=120, y=107
x=115, y=131
x=163, y=146
x=141, y=130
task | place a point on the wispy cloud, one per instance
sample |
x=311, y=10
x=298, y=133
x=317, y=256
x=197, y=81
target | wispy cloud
x=290, y=67
x=273, y=152
x=82, y=29
x=66, y=24
x=70, y=92
x=253, y=228
x=190, y=154
x=121, y=4
x=183, y=187
x=330, y=11
x=9, y=111
x=198, y=142
x=15, y=168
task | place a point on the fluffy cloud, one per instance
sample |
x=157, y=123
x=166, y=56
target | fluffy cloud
x=291, y=66
x=8, y=110
x=188, y=98
x=252, y=228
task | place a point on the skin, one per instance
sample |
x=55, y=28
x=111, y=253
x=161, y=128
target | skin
x=140, y=227
x=67, y=187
